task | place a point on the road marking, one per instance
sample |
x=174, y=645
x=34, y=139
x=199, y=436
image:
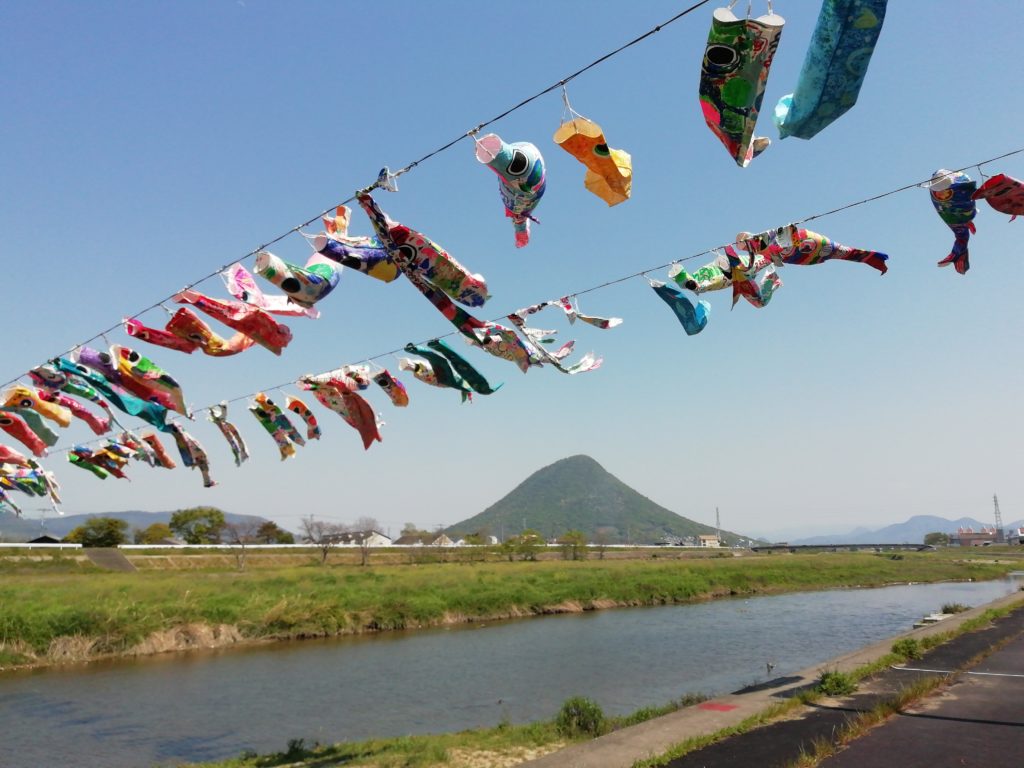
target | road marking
x=716, y=707
x=955, y=671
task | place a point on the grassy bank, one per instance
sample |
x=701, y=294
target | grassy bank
x=55, y=614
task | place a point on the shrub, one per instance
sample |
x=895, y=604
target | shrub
x=835, y=683
x=580, y=716
x=908, y=648
x=955, y=608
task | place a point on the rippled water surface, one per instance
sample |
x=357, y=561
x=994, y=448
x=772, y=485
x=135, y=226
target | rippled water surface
x=214, y=704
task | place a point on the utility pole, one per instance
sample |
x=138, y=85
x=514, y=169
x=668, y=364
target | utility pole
x=1000, y=535
x=718, y=526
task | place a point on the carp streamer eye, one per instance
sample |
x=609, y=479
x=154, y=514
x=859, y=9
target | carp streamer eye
x=720, y=59
x=519, y=163
x=601, y=150
x=407, y=251
x=133, y=356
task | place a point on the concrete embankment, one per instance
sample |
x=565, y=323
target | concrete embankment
x=622, y=749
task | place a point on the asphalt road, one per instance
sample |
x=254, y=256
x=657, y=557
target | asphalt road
x=978, y=721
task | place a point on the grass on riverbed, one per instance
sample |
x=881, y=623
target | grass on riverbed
x=77, y=613
x=502, y=745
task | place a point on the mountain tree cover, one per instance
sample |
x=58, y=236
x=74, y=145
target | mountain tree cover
x=100, y=532
x=578, y=494
x=198, y=525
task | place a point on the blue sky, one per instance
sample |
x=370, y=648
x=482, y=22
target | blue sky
x=147, y=144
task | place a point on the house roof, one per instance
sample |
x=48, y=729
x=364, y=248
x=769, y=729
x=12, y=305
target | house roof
x=356, y=537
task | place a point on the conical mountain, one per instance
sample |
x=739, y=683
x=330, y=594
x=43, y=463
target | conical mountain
x=577, y=493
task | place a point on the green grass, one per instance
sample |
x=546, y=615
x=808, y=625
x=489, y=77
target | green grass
x=115, y=611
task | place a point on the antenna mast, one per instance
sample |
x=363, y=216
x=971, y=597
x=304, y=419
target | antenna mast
x=1000, y=535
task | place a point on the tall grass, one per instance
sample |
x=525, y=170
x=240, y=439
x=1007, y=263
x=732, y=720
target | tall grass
x=116, y=611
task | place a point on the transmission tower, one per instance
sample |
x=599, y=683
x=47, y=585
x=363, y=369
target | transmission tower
x=999, y=519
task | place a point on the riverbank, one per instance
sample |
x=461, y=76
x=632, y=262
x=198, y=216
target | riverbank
x=54, y=616
x=787, y=717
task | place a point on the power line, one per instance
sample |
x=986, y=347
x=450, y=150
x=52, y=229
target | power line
x=404, y=169
x=631, y=276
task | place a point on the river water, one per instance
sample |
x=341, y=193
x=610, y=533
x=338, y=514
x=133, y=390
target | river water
x=206, y=705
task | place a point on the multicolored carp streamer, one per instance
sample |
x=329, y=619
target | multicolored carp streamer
x=160, y=454
x=521, y=179
x=142, y=377
x=442, y=371
x=161, y=338
x=693, y=319
x=266, y=419
x=100, y=425
x=421, y=370
x=393, y=388
x=363, y=254
x=218, y=414
x=609, y=171
x=953, y=197
x=31, y=480
x=834, y=68
x=303, y=285
x=241, y=284
x=192, y=454
x=109, y=459
x=54, y=383
x=10, y=456
x=540, y=339
x=338, y=395
x=152, y=413
x=737, y=59
x=1004, y=193
x=28, y=428
x=23, y=397
x=572, y=311
x=140, y=450
x=464, y=368
x=794, y=245
x=413, y=251
x=244, y=318
x=299, y=408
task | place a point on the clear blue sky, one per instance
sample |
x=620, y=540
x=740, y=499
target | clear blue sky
x=146, y=144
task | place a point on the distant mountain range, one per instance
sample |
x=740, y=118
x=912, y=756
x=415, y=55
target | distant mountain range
x=910, y=532
x=577, y=493
x=17, y=529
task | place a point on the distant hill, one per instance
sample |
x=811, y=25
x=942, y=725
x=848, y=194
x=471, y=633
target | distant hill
x=24, y=528
x=577, y=493
x=910, y=532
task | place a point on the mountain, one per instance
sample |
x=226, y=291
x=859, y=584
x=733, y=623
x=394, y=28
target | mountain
x=577, y=493
x=24, y=528
x=910, y=532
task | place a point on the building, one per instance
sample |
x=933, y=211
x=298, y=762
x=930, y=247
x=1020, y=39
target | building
x=708, y=540
x=968, y=537
x=424, y=540
x=361, y=539
x=1015, y=536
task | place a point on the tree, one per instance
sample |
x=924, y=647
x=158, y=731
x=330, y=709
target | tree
x=574, y=545
x=602, y=537
x=153, y=534
x=100, y=532
x=198, y=525
x=322, y=535
x=527, y=544
x=937, y=539
x=240, y=535
x=271, y=533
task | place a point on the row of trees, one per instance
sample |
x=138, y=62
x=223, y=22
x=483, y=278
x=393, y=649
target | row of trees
x=197, y=525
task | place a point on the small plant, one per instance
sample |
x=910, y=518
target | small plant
x=955, y=608
x=908, y=648
x=296, y=749
x=832, y=682
x=580, y=716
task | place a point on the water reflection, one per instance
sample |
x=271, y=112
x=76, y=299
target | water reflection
x=209, y=705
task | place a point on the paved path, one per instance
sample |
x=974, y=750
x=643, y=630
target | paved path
x=758, y=748
x=978, y=721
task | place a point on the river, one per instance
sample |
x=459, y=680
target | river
x=205, y=705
